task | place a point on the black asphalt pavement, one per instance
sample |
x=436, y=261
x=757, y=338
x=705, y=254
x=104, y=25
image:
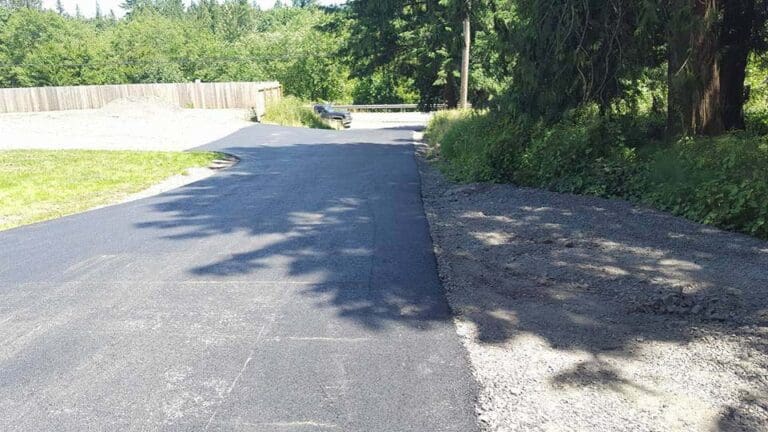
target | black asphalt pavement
x=295, y=291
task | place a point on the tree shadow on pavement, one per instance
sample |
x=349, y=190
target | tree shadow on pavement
x=340, y=214
x=328, y=211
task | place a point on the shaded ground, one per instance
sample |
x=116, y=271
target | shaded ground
x=588, y=314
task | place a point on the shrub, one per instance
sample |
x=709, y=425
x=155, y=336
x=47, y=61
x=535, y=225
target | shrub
x=291, y=111
x=477, y=145
x=583, y=154
x=719, y=181
x=757, y=120
x=440, y=122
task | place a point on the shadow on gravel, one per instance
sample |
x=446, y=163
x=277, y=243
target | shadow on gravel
x=604, y=279
x=340, y=217
x=601, y=278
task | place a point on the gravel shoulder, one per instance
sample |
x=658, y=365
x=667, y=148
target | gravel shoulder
x=581, y=313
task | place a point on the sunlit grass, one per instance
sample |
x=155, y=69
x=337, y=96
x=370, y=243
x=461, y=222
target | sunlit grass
x=37, y=185
x=291, y=111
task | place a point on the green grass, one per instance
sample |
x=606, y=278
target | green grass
x=292, y=111
x=441, y=122
x=37, y=185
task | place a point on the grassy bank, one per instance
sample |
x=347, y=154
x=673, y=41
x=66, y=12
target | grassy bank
x=720, y=181
x=291, y=111
x=37, y=185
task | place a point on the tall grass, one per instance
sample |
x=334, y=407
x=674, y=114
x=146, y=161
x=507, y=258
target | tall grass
x=292, y=111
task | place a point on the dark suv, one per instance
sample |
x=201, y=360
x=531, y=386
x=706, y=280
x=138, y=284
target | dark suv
x=327, y=111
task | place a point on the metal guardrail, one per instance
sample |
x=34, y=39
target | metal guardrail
x=388, y=107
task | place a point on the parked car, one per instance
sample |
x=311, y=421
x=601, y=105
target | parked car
x=327, y=111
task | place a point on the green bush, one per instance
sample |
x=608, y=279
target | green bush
x=291, y=111
x=757, y=120
x=719, y=181
x=477, y=145
x=582, y=154
x=440, y=122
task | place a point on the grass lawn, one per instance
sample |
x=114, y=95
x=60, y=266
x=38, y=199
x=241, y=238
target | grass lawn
x=37, y=185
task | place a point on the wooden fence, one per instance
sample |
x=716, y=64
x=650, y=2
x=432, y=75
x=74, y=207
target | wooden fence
x=256, y=95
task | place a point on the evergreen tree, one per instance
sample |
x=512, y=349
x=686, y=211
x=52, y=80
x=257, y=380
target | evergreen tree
x=708, y=47
x=304, y=3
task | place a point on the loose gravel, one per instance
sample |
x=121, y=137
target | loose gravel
x=123, y=124
x=586, y=314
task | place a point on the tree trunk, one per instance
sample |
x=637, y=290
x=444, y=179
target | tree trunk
x=735, y=38
x=694, y=69
x=450, y=91
x=708, y=46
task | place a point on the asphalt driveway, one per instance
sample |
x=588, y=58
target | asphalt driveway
x=295, y=291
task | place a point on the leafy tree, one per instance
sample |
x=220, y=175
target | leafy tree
x=576, y=52
x=422, y=42
x=383, y=87
x=19, y=4
x=236, y=19
x=304, y=3
x=291, y=47
x=44, y=48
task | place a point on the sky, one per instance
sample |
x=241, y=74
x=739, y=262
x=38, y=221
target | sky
x=88, y=7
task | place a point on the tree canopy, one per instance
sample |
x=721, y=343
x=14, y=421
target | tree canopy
x=694, y=60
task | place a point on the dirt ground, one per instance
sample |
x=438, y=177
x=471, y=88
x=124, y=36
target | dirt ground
x=124, y=124
x=585, y=314
x=149, y=124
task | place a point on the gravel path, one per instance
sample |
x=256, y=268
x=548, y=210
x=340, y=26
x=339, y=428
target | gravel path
x=588, y=314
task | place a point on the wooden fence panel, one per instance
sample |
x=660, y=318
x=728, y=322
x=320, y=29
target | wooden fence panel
x=256, y=95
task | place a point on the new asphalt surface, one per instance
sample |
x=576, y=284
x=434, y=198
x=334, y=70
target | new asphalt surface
x=295, y=291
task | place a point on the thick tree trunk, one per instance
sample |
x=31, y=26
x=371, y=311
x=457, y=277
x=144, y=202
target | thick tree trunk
x=450, y=92
x=708, y=46
x=735, y=37
x=732, y=76
x=694, y=69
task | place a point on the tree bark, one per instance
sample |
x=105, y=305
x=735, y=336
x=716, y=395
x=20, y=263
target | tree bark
x=735, y=40
x=450, y=91
x=693, y=69
x=708, y=47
